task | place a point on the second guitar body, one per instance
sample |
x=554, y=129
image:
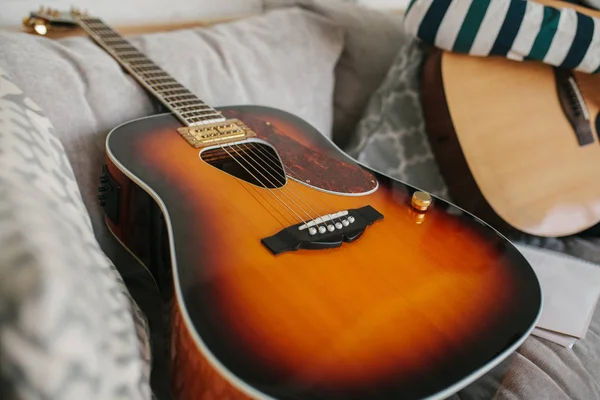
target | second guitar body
x=516, y=142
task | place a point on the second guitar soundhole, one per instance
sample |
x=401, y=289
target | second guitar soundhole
x=253, y=162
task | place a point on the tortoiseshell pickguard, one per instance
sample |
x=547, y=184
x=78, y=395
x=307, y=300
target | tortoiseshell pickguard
x=315, y=162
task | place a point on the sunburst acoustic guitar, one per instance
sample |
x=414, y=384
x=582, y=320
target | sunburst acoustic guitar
x=517, y=142
x=294, y=272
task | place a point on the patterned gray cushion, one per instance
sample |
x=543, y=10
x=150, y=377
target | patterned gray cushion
x=391, y=135
x=68, y=327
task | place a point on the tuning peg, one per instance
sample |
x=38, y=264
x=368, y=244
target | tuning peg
x=37, y=24
x=41, y=10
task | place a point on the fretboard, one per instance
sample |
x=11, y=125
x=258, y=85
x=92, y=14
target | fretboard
x=179, y=100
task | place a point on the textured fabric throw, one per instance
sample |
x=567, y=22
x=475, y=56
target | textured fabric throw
x=68, y=328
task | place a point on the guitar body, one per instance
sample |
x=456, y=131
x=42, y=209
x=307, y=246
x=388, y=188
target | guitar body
x=418, y=306
x=506, y=147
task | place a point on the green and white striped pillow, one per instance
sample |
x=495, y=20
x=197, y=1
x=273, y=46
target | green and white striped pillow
x=517, y=29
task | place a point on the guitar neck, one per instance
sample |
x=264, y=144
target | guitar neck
x=188, y=108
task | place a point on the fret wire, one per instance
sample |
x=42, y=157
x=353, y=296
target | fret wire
x=102, y=29
x=180, y=100
x=143, y=58
x=131, y=50
x=179, y=96
x=162, y=81
x=195, y=106
x=180, y=103
x=164, y=76
x=168, y=94
x=203, y=116
x=126, y=45
x=156, y=78
x=166, y=85
x=127, y=53
x=196, y=113
x=151, y=74
x=126, y=57
x=159, y=83
x=144, y=64
x=150, y=68
x=113, y=41
x=198, y=110
x=147, y=68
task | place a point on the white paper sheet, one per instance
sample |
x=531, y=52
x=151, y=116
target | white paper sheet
x=558, y=338
x=570, y=288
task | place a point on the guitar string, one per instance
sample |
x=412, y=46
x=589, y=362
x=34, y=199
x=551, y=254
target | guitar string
x=288, y=169
x=323, y=214
x=282, y=183
x=265, y=186
x=277, y=213
x=271, y=183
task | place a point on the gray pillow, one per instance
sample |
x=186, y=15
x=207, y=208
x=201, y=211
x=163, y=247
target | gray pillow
x=69, y=329
x=391, y=136
x=283, y=59
x=372, y=39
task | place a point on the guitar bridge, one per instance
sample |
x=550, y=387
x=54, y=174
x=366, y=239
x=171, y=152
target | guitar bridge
x=325, y=232
x=227, y=131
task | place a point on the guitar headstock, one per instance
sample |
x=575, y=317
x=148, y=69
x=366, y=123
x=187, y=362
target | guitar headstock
x=45, y=19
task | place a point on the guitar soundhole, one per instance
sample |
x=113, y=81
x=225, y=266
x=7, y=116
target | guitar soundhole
x=253, y=162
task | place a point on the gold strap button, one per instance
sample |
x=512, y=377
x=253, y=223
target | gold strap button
x=420, y=201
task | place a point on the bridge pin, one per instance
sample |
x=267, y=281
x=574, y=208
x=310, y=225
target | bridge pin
x=312, y=230
x=345, y=222
x=338, y=225
x=330, y=228
x=322, y=229
x=351, y=219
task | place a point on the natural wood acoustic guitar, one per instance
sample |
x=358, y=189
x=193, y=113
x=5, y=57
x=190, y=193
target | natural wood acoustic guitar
x=517, y=142
x=291, y=271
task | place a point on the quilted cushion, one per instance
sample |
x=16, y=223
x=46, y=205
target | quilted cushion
x=68, y=327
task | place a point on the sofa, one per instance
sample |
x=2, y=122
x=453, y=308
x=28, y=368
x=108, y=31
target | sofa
x=78, y=318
